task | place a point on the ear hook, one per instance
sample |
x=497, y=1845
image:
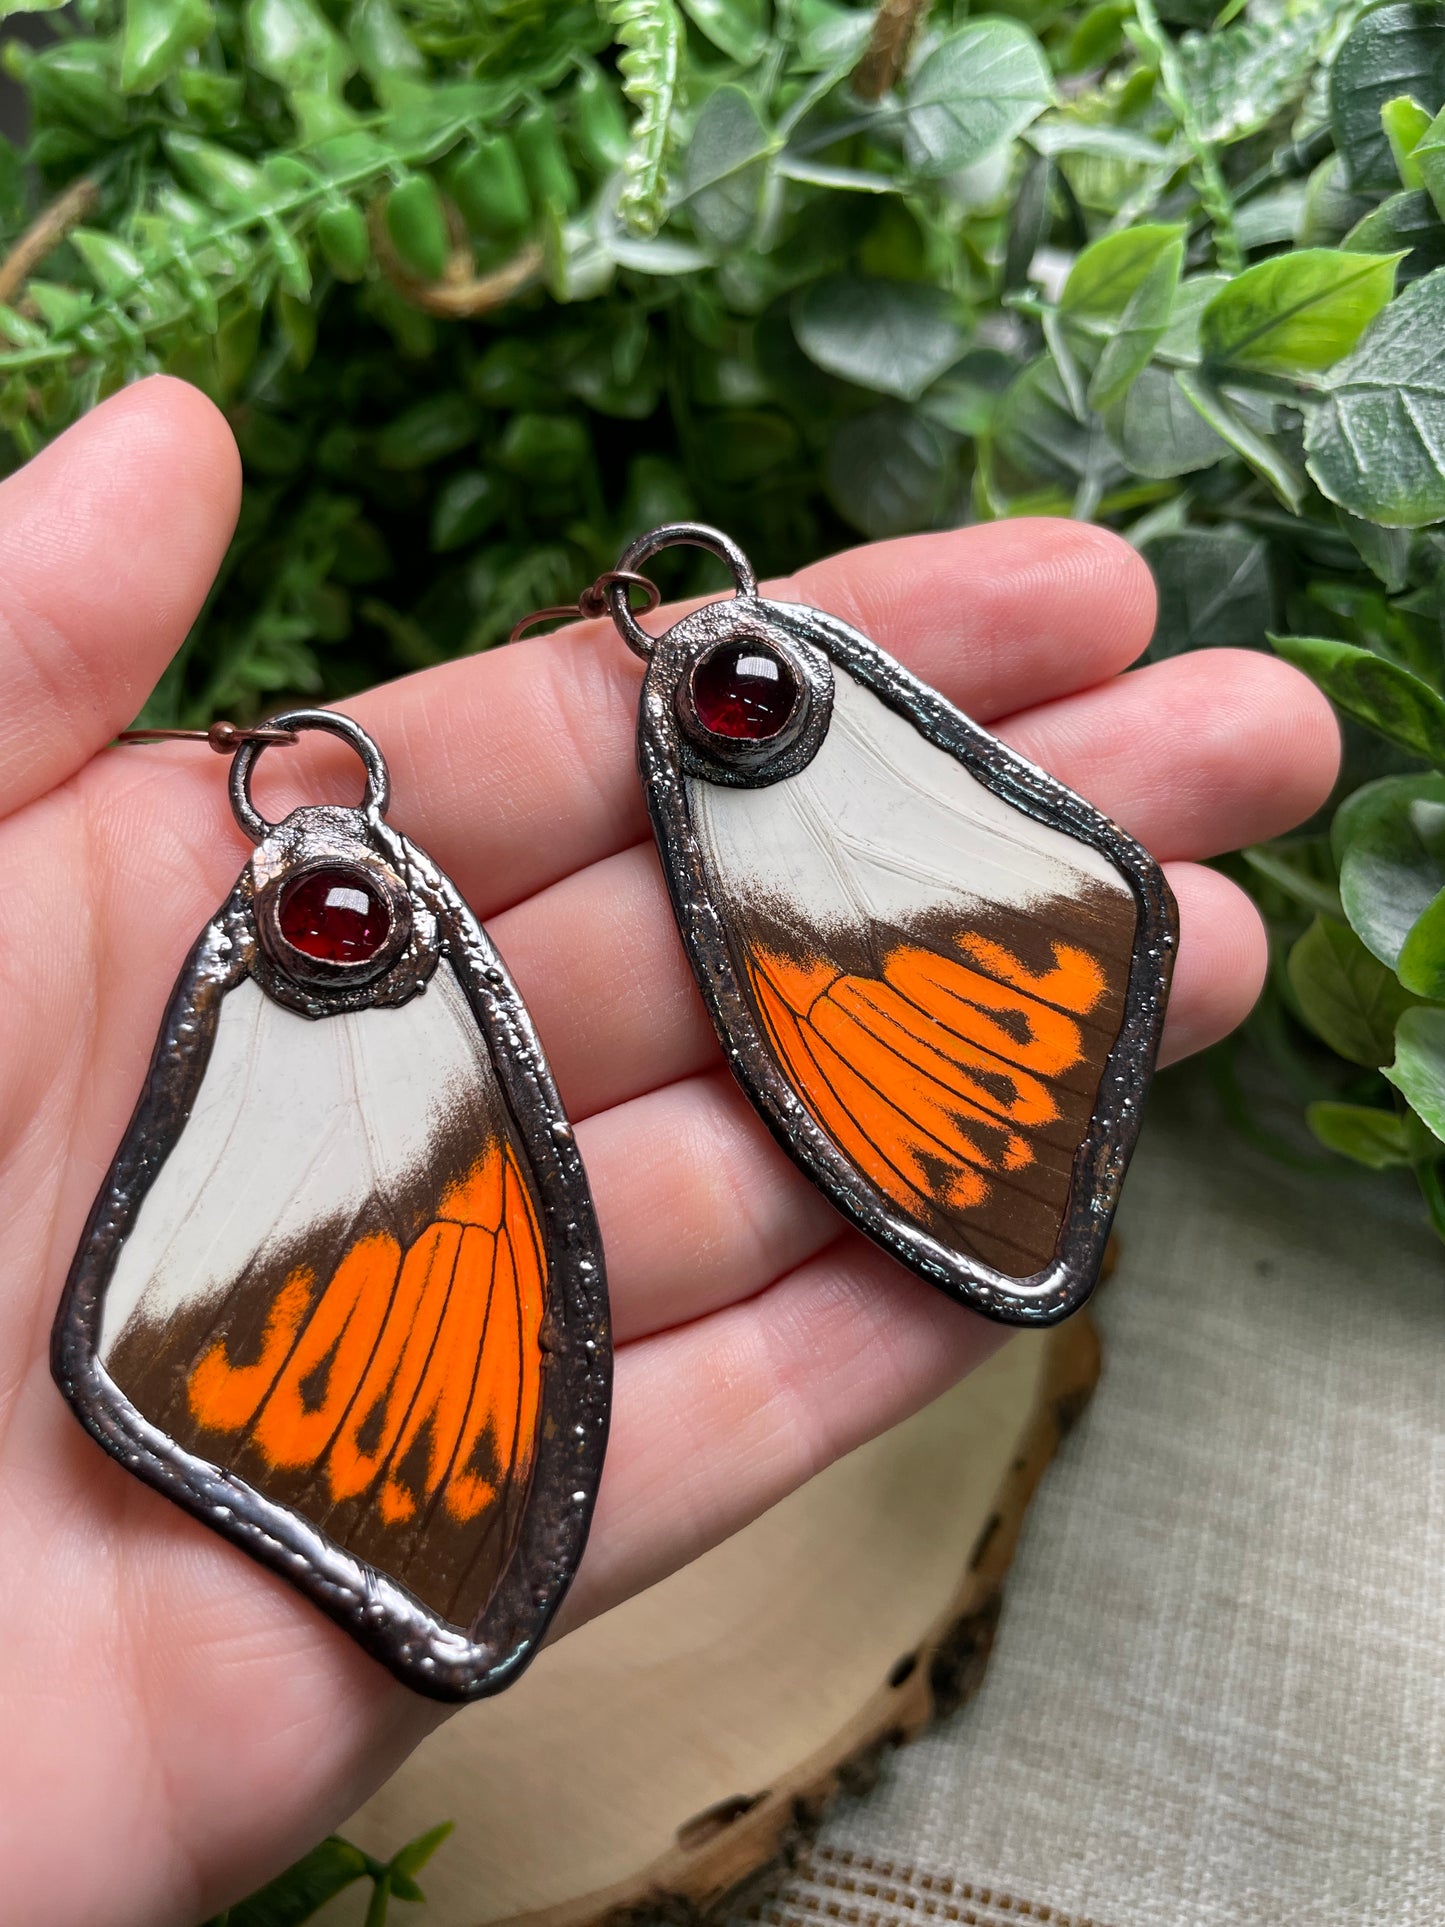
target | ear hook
x=594, y=600
x=222, y=737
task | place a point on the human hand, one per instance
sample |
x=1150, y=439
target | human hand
x=178, y=1724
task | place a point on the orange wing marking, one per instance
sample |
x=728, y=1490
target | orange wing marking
x=416, y=1374
x=934, y=1077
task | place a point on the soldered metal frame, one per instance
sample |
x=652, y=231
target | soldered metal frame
x=670, y=750
x=427, y=1653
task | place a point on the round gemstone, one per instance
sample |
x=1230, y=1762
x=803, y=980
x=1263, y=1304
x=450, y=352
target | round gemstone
x=743, y=691
x=336, y=916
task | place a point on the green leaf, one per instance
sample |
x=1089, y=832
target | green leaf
x=656, y=254
x=1331, y=207
x=1418, y=1071
x=1348, y=998
x=386, y=52
x=292, y=43
x=737, y=28
x=157, y=36
x=1296, y=313
x=1141, y=326
x=848, y=180
x=1214, y=591
x=1377, y=1139
x=1373, y=690
x=1038, y=436
x=1233, y=426
x=892, y=336
x=1110, y=272
x=467, y=505
x=1428, y=160
x=980, y=85
x=1385, y=551
x=427, y=432
x=1158, y=430
x=115, y=268
x=1240, y=76
x=416, y=225
x=224, y=178
x=1405, y=122
x=1098, y=36
x=1391, y=50
x=727, y=168
x=651, y=37
x=1301, y=872
x=1389, y=841
x=294, y=1896
x=886, y=471
x=59, y=308
x=1421, y=963
x=411, y=1858
x=1376, y=444
x=1406, y=225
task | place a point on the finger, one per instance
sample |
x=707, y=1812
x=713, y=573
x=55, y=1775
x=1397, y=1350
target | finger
x=1222, y=961
x=109, y=541
x=716, y=1421
x=697, y=1203
x=1196, y=755
x=699, y=1207
x=518, y=767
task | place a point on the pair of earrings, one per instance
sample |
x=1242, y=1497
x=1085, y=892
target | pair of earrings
x=342, y=1293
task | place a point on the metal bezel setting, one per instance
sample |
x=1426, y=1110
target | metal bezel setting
x=328, y=837
x=751, y=762
x=666, y=759
x=427, y=1653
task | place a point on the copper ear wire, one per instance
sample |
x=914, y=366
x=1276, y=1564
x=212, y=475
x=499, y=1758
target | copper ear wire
x=224, y=738
x=593, y=602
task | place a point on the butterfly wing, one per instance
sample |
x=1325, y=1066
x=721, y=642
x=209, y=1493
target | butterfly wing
x=335, y=1288
x=939, y=974
x=343, y=1298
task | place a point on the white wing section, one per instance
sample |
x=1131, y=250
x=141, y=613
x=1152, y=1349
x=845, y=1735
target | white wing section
x=881, y=825
x=296, y=1119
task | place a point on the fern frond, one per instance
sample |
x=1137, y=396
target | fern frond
x=650, y=32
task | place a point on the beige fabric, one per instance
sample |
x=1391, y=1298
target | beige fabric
x=1218, y=1695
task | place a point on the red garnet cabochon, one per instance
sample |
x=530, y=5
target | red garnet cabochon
x=743, y=691
x=336, y=916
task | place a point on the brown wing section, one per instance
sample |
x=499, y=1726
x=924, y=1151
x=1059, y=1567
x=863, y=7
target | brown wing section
x=958, y=1077
x=391, y=1393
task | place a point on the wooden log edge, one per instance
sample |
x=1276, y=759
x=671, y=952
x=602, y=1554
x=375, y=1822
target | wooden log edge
x=736, y=1849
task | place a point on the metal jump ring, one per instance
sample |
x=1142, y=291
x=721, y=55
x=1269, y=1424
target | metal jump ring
x=592, y=604
x=694, y=535
x=378, y=782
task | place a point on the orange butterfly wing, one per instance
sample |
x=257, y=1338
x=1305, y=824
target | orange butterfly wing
x=396, y=1402
x=958, y=1084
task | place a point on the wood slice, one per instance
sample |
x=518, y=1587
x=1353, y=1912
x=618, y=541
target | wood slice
x=683, y=1747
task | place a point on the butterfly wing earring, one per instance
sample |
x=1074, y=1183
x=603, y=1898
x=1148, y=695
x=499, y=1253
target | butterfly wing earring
x=938, y=974
x=342, y=1295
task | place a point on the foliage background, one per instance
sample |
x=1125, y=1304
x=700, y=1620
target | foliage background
x=487, y=287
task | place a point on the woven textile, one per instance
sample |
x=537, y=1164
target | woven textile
x=1218, y=1695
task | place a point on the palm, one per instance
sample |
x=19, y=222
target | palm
x=178, y=1724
